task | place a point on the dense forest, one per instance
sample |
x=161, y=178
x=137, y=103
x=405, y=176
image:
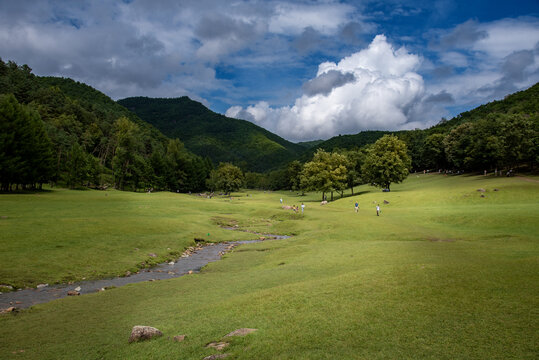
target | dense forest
x=58, y=131
x=218, y=137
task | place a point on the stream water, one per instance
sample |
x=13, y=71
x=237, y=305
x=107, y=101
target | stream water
x=194, y=263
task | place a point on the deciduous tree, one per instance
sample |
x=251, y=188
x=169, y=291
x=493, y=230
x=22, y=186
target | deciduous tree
x=387, y=162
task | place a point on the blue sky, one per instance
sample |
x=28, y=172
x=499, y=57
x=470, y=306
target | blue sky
x=303, y=69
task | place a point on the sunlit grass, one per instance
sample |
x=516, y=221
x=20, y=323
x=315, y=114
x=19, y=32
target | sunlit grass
x=443, y=273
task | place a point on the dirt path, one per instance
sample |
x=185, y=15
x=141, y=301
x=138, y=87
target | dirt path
x=184, y=265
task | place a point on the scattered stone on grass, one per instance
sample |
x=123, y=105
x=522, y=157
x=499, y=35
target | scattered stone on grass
x=216, y=356
x=179, y=338
x=218, y=345
x=9, y=310
x=241, y=332
x=190, y=272
x=77, y=288
x=41, y=286
x=171, y=263
x=140, y=333
x=481, y=190
x=386, y=202
x=496, y=189
x=152, y=255
x=6, y=287
x=482, y=195
x=73, y=293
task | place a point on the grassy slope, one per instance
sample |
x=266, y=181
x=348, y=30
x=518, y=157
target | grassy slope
x=66, y=235
x=442, y=274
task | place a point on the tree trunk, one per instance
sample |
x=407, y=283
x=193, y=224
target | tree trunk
x=352, y=190
x=323, y=195
x=332, y=196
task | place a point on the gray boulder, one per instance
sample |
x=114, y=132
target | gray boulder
x=140, y=333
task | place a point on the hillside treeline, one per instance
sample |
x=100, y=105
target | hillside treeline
x=62, y=132
x=502, y=135
x=58, y=131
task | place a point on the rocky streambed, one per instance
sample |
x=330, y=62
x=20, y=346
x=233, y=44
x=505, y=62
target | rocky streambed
x=194, y=262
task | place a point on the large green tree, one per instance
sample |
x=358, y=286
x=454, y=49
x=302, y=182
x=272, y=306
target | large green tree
x=387, y=162
x=226, y=177
x=326, y=172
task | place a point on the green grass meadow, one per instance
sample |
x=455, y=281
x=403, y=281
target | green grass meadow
x=443, y=273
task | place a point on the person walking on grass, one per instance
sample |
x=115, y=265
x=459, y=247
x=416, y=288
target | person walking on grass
x=302, y=207
x=356, y=206
x=281, y=201
x=378, y=210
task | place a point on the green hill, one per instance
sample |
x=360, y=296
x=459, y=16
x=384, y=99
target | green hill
x=522, y=102
x=207, y=133
x=310, y=144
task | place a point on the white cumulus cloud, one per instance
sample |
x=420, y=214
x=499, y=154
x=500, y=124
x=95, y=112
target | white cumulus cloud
x=376, y=88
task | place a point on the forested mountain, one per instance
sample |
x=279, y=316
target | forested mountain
x=310, y=144
x=213, y=135
x=63, y=132
x=522, y=102
x=78, y=136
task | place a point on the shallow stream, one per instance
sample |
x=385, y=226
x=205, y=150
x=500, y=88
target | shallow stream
x=182, y=266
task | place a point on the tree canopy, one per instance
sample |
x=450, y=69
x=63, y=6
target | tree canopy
x=226, y=177
x=387, y=162
x=326, y=172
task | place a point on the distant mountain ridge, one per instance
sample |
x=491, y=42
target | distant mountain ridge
x=216, y=136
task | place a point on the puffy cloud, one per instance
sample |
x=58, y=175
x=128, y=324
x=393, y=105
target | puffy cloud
x=479, y=62
x=375, y=88
x=326, y=82
x=507, y=36
x=326, y=18
x=220, y=35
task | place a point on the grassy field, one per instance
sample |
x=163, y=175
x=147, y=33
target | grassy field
x=443, y=273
